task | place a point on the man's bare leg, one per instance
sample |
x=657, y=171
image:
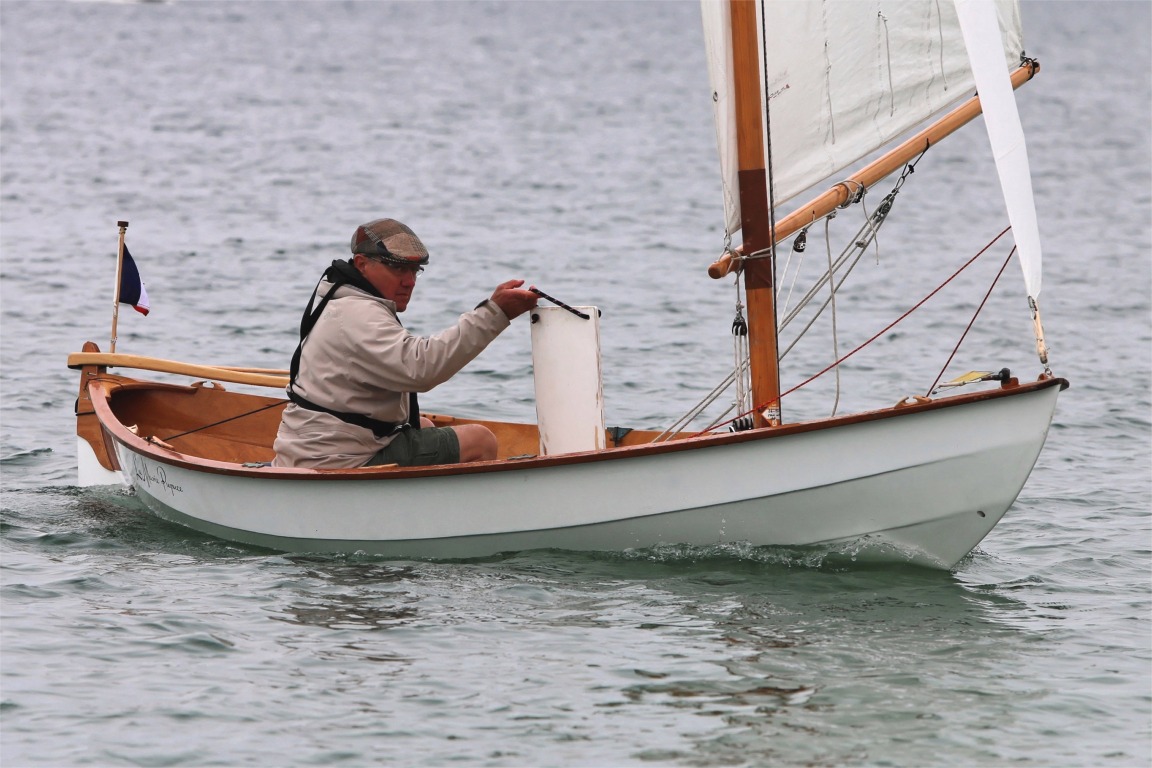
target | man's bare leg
x=477, y=443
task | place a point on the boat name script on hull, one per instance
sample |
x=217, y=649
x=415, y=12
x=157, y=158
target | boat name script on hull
x=156, y=476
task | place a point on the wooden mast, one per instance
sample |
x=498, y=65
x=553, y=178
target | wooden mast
x=755, y=214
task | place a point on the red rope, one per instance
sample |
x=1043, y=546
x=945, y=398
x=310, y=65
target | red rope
x=887, y=328
x=971, y=322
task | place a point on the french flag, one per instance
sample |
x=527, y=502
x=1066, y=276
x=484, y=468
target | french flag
x=131, y=286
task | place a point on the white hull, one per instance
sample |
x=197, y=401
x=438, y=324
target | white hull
x=89, y=471
x=924, y=486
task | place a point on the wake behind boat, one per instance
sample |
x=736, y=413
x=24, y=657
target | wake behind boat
x=923, y=480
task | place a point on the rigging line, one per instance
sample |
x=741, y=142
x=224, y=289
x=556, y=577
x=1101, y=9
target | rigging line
x=225, y=421
x=807, y=298
x=795, y=277
x=873, y=227
x=971, y=322
x=883, y=331
x=800, y=239
x=824, y=278
x=868, y=233
x=832, y=298
x=824, y=306
x=740, y=351
x=858, y=242
x=854, y=243
x=706, y=401
x=716, y=421
x=695, y=410
x=768, y=138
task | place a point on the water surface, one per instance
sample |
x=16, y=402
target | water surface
x=569, y=144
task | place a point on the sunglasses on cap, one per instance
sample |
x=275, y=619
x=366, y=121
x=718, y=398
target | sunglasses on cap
x=396, y=265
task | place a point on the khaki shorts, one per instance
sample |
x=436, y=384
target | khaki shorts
x=420, y=448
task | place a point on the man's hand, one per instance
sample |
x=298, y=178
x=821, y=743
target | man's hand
x=512, y=299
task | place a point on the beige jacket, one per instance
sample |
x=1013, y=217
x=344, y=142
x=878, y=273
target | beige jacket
x=360, y=359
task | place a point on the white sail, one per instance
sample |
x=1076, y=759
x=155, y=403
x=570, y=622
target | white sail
x=718, y=50
x=1002, y=119
x=846, y=78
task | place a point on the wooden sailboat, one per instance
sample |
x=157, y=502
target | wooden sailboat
x=922, y=481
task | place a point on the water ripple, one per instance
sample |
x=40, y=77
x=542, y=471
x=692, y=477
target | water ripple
x=550, y=141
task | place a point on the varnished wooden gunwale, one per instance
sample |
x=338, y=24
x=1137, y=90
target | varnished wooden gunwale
x=102, y=390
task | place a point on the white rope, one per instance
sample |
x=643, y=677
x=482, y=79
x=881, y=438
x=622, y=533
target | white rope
x=741, y=354
x=823, y=280
x=832, y=298
x=867, y=234
x=706, y=401
x=795, y=274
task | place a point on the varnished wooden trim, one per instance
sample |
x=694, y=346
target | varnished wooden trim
x=140, y=362
x=102, y=389
x=88, y=425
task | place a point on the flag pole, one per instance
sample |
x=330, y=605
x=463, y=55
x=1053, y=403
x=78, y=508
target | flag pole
x=119, y=270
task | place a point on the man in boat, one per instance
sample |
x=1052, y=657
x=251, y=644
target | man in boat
x=356, y=371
